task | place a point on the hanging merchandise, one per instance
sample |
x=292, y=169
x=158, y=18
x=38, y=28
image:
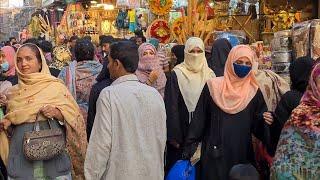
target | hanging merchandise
x=120, y=22
x=160, y=30
x=142, y=23
x=300, y=38
x=160, y=7
x=132, y=20
x=128, y=3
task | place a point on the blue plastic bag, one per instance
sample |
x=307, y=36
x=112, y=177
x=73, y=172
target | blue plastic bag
x=182, y=170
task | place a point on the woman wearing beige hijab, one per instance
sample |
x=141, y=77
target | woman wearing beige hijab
x=39, y=92
x=182, y=93
x=230, y=108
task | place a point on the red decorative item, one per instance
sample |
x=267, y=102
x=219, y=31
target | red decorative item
x=160, y=29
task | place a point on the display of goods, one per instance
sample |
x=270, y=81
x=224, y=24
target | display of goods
x=315, y=39
x=280, y=67
x=160, y=7
x=282, y=41
x=160, y=29
x=281, y=56
x=300, y=38
x=234, y=37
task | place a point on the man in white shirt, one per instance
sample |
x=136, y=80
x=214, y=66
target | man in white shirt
x=129, y=132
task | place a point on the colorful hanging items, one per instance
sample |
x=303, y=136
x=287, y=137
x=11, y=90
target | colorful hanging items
x=193, y=23
x=160, y=7
x=128, y=3
x=132, y=20
x=160, y=30
x=120, y=22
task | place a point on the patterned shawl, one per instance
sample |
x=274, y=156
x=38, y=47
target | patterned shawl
x=298, y=150
x=272, y=87
x=61, y=57
x=308, y=112
x=79, y=78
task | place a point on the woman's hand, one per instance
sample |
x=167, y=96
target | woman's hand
x=51, y=112
x=153, y=76
x=174, y=143
x=268, y=118
x=4, y=124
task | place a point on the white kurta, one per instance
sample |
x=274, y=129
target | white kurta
x=129, y=133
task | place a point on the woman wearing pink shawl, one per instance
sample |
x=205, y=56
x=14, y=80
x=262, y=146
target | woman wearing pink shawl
x=229, y=110
x=149, y=69
x=9, y=54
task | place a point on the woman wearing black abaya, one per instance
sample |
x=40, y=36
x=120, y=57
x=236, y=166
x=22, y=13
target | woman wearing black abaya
x=300, y=70
x=219, y=54
x=182, y=92
x=178, y=51
x=103, y=80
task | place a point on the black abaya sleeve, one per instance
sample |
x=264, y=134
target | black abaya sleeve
x=171, y=93
x=198, y=124
x=288, y=102
x=94, y=95
x=260, y=129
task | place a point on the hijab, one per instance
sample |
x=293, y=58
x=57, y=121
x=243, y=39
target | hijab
x=219, y=54
x=36, y=90
x=154, y=42
x=149, y=63
x=231, y=93
x=9, y=53
x=193, y=73
x=178, y=51
x=300, y=70
x=308, y=112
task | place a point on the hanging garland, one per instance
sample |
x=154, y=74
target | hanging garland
x=160, y=29
x=160, y=7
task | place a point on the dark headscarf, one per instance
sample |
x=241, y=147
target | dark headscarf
x=219, y=54
x=300, y=70
x=178, y=51
x=104, y=74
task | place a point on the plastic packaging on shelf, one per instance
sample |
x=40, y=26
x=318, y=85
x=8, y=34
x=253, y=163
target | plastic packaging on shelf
x=282, y=41
x=281, y=57
x=315, y=39
x=235, y=37
x=280, y=67
x=300, y=38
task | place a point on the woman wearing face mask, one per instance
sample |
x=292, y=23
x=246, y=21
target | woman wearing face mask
x=298, y=152
x=9, y=54
x=230, y=108
x=182, y=93
x=149, y=70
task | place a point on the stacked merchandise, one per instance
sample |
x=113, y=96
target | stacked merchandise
x=235, y=37
x=282, y=53
x=306, y=39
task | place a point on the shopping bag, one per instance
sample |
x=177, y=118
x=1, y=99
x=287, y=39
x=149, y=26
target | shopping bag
x=182, y=170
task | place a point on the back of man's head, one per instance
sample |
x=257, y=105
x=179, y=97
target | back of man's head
x=243, y=172
x=106, y=39
x=127, y=53
x=72, y=38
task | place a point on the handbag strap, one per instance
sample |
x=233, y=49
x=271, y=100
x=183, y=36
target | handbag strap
x=36, y=126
